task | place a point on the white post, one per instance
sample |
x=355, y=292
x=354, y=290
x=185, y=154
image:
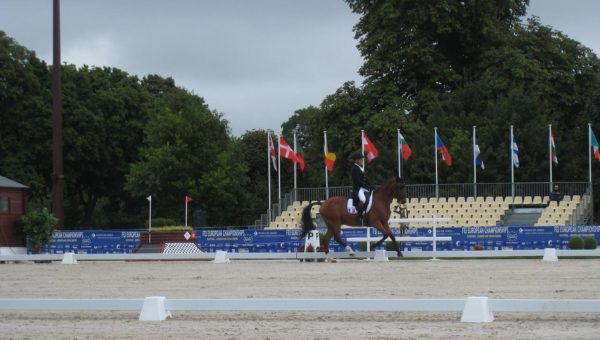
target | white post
x=399, y=155
x=186, y=210
x=474, y=163
x=437, y=190
x=434, y=238
x=590, y=167
x=326, y=148
x=149, y=198
x=279, y=171
x=550, y=152
x=295, y=166
x=269, y=173
x=512, y=164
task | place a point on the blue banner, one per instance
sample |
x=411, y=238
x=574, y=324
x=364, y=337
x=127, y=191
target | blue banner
x=286, y=240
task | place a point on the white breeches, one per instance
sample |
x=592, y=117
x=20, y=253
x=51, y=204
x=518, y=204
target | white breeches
x=361, y=194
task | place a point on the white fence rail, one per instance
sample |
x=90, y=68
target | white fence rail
x=151, y=311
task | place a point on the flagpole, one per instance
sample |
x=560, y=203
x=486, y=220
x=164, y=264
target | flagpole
x=186, y=210
x=362, y=146
x=149, y=219
x=512, y=164
x=325, y=147
x=269, y=173
x=550, y=152
x=399, y=155
x=474, y=163
x=437, y=190
x=590, y=167
x=279, y=172
x=295, y=165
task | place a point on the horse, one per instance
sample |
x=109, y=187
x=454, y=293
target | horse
x=334, y=213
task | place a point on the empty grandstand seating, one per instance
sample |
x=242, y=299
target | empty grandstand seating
x=464, y=212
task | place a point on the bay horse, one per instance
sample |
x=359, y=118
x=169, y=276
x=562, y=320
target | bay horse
x=334, y=213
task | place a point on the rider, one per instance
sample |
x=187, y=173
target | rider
x=360, y=185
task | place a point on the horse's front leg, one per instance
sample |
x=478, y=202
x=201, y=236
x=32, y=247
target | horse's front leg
x=396, y=245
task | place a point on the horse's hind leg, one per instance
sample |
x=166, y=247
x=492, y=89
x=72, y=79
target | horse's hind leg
x=338, y=238
x=380, y=242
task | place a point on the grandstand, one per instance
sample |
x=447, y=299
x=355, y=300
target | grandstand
x=467, y=211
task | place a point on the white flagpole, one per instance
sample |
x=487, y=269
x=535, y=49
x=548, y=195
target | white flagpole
x=512, y=163
x=269, y=173
x=325, y=146
x=550, y=152
x=186, y=210
x=295, y=180
x=435, y=156
x=362, y=146
x=590, y=167
x=279, y=170
x=474, y=163
x=149, y=198
x=399, y=155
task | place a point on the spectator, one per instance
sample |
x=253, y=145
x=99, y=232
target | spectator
x=556, y=194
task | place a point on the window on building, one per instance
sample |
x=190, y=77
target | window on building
x=4, y=205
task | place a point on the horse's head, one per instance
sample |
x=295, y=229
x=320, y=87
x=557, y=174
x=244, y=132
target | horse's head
x=400, y=190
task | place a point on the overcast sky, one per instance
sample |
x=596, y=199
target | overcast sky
x=256, y=61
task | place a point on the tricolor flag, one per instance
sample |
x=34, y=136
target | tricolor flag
x=286, y=151
x=369, y=148
x=515, y=151
x=595, y=145
x=300, y=156
x=553, y=148
x=404, y=148
x=478, y=160
x=273, y=153
x=329, y=156
x=441, y=147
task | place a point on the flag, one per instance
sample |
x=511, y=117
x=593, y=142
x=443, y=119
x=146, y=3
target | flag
x=300, y=156
x=369, y=148
x=405, y=149
x=286, y=151
x=595, y=145
x=272, y=152
x=441, y=147
x=149, y=198
x=188, y=199
x=478, y=160
x=553, y=147
x=329, y=157
x=515, y=151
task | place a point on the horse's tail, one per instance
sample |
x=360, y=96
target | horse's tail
x=307, y=223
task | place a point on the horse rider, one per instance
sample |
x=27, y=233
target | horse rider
x=360, y=185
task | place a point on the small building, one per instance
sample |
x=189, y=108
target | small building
x=12, y=206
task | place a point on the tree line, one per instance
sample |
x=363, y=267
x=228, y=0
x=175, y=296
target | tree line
x=451, y=64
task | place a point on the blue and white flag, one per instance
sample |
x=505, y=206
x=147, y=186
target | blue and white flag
x=515, y=151
x=478, y=160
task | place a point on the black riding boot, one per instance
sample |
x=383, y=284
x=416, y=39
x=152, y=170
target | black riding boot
x=360, y=215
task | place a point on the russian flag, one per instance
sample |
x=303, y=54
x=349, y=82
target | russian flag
x=441, y=147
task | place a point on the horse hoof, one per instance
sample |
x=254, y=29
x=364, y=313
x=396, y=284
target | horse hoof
x=330, y=260
x=350, y=251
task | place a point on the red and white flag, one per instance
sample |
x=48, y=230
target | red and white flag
x=286, y=151
x=273, y=153
x=369, y=148
x=188, y=199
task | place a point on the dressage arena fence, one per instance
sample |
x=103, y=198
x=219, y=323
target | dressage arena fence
x=158, y=308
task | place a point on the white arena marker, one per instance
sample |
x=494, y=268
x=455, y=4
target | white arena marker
x=380, y=256
x=477, y=310
x=221, y=257
x=69, y=258
x=550, y=255
x=154, y=309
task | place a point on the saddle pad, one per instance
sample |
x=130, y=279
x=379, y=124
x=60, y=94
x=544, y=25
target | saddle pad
x=352, y=210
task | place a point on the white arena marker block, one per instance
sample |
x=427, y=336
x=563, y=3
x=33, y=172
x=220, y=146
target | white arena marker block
x=154, y=309
x=550, y=255
x=69, y=258
x=221, y=257
x=477, y=309
x=380, y=256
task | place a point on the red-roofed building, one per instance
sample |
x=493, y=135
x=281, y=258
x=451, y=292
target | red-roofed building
x=12, y=206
